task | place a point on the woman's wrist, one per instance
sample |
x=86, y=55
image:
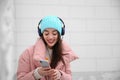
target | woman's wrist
x=36, y=74
x=60, y=74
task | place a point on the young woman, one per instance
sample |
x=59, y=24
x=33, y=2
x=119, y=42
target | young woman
x=49, y=47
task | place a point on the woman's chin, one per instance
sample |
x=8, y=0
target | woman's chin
x=51, y=45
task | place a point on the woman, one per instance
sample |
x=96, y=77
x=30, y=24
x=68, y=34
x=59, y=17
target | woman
x=49, y=47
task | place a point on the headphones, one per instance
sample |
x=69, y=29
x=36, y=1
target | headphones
x=63, y=27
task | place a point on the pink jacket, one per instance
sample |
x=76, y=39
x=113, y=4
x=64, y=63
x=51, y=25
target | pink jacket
x=29, y=61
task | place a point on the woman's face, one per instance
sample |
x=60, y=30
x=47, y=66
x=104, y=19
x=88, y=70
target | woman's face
x=50, y=36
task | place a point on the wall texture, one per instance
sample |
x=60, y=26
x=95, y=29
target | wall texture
x=92, y=30
x=6, y=39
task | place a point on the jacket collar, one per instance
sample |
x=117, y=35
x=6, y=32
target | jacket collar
x=40, y=50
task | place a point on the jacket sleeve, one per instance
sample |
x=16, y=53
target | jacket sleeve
x=23, y=71
x=66, y=75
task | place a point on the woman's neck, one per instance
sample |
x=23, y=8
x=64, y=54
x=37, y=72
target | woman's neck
x=48, y=53
x=49, y=47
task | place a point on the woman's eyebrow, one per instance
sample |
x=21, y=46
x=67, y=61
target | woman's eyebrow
x=55, y=31
x=45, y=30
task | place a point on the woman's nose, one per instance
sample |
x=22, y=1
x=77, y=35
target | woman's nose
x=50, y=36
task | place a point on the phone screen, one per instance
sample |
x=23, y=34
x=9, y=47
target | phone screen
x=44, y=63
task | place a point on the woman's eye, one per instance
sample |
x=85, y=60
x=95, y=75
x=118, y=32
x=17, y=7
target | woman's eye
x=46, y=34
x=54, y=33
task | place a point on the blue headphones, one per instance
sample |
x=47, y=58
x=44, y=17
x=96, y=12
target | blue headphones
x=63, y=27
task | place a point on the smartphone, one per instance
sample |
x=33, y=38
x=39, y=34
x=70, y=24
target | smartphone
x=44, y=63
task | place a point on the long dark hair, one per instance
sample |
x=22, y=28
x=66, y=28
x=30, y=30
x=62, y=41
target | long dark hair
x=57, y=54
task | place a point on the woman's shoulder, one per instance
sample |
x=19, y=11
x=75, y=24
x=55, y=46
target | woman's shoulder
x=27, y=52
x=30, y=50
x=70, y=55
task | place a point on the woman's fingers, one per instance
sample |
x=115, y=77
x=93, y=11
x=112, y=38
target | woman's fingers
x=43, y=71
x=55, y=74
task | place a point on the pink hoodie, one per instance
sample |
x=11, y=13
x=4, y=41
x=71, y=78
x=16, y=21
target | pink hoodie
x=29, y=61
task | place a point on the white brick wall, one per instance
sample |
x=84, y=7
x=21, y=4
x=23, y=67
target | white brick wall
x=7, y=39
x=92, y=29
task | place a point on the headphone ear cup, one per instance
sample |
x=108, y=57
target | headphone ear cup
x=63, y=27
x=63, y=31
x=39, y=31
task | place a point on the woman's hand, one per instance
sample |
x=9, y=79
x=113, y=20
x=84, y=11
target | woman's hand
x=55, y=74
x=44, y=71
